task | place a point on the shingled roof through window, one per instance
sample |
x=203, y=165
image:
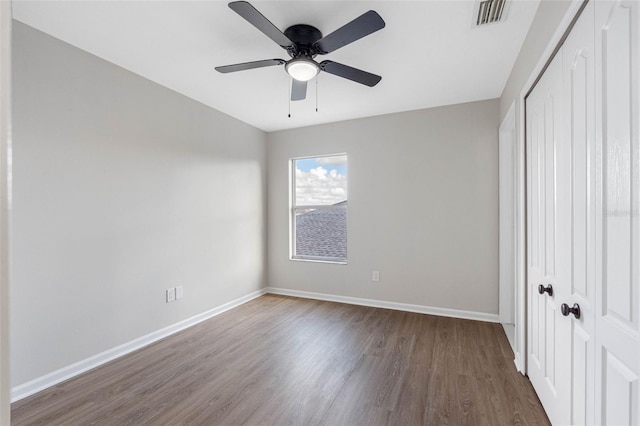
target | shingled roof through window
x=322, y=233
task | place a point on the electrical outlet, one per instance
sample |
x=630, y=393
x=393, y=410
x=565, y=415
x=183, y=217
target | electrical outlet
x=171, y=295
x=375, y=276
x=179, y=292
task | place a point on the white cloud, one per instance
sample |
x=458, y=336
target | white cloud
x=319, y=173
x=337, y=160
x=320, y=186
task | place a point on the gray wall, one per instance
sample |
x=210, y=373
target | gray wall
x=122, y=188
x=423, y=207
x=5, y=120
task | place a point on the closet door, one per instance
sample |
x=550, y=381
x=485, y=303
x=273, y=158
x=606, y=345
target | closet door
x=617, y=285
x=548, y=332
x=578, y=153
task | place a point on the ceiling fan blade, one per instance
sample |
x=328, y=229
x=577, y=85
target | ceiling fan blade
x=298, y=90
x=350, y=73
x=257, y=19
x=362, y=26
x=249, y=65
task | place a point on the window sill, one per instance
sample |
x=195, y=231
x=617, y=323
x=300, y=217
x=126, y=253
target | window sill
x=315, y=260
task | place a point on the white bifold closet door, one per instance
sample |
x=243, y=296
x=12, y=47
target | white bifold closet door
x=617, y=309
x=583, y=194
x=549, y=332
x=579, y=214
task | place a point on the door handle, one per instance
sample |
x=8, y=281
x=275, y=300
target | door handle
x=566, y=310
x=548, y=289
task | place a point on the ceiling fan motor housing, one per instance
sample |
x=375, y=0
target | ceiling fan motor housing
x=303, y=36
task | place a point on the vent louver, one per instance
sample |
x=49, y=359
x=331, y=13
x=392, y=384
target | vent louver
x=490, y=11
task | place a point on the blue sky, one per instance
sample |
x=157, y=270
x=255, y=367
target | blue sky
x=328, y=163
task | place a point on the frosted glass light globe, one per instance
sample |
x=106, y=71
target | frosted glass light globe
x=302, y=69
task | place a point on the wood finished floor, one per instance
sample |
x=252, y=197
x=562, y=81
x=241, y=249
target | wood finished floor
x=286, y=361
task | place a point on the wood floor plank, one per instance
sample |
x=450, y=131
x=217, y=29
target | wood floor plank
x=286, y=361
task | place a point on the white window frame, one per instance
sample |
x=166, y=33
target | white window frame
x=293, y=209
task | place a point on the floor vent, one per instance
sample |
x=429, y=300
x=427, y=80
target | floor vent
x=490, y=11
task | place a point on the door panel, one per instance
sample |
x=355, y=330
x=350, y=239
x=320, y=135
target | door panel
x=535, y=202
x=551, y=120
x=550, y=344
x=582, y=372
x=616, y=45
x=580, y=138
x=617, y=281
x=579, y=130
x=620, y=391
x=548, y=332
x=619, y=147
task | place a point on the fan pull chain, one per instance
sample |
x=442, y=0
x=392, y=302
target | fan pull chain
x=316, y=93
x=289, y=99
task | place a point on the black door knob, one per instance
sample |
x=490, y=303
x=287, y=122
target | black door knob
x=548, y=289
x=566, y=310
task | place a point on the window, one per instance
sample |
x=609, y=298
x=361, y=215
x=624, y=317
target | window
x=319, y=208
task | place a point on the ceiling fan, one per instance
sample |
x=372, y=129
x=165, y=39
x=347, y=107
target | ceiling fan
x=303, y=43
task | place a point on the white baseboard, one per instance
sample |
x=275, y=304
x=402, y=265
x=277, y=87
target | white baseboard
x=430, y=310
x=519, y=364
x=36, y=385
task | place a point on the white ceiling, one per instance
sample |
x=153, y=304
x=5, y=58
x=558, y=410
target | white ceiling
x=429, y=54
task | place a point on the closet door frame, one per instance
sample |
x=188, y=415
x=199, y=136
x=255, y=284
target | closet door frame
x=5, y=144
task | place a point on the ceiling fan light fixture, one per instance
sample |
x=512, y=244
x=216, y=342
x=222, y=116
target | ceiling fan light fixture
x=302, y=69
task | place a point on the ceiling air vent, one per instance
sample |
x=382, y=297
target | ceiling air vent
x=490, y=11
